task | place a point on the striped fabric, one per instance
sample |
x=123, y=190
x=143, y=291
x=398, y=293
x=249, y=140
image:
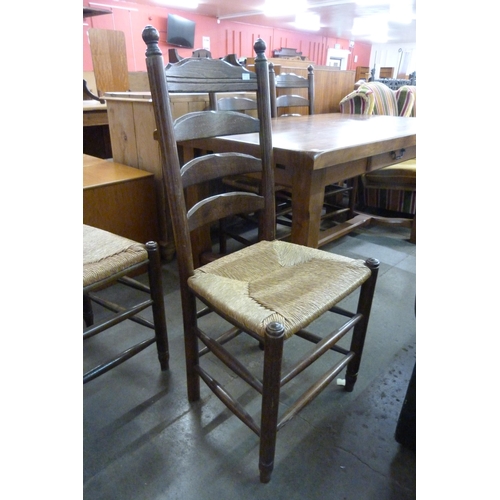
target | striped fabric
x=378, y=99
x=406, y=97
x=384, y=99
x=357, y=103
x=393, y=200
x=391, y=188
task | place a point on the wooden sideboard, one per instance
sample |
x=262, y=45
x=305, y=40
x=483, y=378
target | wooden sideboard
x=119, y=199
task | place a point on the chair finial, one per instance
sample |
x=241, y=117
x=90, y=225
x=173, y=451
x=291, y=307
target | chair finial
x=260, y=48
x=151, y=37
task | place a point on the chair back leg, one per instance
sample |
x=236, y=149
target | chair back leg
x=158, y=306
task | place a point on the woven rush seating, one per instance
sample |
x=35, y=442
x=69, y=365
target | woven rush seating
x=262, y=294
x=109, y=259
x=260, y=284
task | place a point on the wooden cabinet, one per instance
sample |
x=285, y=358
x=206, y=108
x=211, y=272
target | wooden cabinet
x=119, y=199
x=386, y=72
x=362, y=73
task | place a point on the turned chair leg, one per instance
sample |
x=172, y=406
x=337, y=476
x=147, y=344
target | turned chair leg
x=359, y=332
x=273, y=352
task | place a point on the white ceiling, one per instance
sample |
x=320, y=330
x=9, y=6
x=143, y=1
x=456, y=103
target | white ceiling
x=336, y=16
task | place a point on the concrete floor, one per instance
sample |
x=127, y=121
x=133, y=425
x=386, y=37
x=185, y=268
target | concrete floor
x=144, y=440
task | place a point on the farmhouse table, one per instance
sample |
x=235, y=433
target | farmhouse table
x=314, y=151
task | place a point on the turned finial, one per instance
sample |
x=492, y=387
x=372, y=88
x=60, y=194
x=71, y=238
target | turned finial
x=260, y=48
x=151, y=37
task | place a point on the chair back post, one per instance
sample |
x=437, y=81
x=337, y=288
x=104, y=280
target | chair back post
x=268, y=224
x=272, y=85
x=310, y=88
x=168, y=145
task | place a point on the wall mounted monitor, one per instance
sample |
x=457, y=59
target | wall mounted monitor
x=180, y=31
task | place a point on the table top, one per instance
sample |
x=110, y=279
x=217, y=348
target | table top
x=99, y=172
x=323, y=140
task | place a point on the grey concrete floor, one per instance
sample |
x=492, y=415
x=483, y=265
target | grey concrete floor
x=144, y=440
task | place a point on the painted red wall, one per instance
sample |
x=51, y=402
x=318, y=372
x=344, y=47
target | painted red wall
x=226, y=37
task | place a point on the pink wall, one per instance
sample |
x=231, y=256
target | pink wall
x=227, y=37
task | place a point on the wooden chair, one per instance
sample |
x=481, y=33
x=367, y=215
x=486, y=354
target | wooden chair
x=242, y=104
x=391, y=191
x=174, y=56
x=271, y=290
x=111, y=260
x=249, y=182
x=232, y=59
x=291, y=104
x=202, y=53
x=286, y=83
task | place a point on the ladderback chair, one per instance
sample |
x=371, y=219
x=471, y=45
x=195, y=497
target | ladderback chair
x=111, y=260
x=202, y=53
x=390, y=190
x=271, y=290
x=242, y=104
x=282, y=101
x=288, y=103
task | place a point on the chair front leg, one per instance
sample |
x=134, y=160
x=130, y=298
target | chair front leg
x=273, y=352
x=359, y=332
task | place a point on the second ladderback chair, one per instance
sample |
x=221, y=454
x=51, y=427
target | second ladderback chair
x=285, y=102
x=272, y=290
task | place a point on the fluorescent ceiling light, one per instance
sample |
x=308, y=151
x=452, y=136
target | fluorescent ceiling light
x=376, y=27
x=401, y=12
x=185, y=4
x=307, y=21
x=274, y=8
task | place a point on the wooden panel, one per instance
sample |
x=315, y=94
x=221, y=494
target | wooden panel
x=109, y=58
x=119, y=199
x=330, y=87
x=122, y=133
x=138, y=81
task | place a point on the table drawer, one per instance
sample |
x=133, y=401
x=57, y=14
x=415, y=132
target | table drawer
x=391, y=158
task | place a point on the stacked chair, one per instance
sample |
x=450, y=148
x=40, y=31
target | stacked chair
x=269, y=291
x=390, y=190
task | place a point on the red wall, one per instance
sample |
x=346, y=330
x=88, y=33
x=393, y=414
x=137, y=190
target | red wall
x=226, y=37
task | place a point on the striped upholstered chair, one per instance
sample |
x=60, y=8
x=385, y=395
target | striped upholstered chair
x=375, y=98
x=391, y=188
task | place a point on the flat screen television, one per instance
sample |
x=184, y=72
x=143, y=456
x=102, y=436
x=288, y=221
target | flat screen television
x=180, y=31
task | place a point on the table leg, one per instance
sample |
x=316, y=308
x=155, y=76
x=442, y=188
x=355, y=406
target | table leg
x=308, y=192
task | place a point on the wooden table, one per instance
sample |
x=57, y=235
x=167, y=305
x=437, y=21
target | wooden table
x=119, y=199
x=318, y=150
